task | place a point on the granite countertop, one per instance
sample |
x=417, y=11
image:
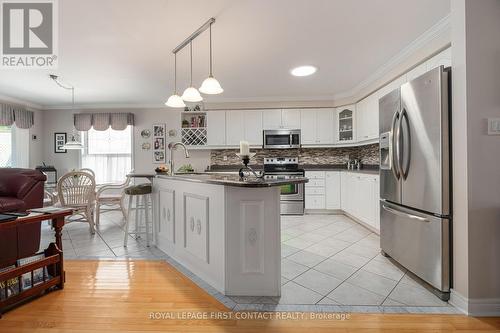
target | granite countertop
x=234, y=179
x=371, y=169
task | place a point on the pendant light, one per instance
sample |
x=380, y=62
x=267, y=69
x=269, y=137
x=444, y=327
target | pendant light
x=191, y=94
x=73, y=143
x=210, y=85
x=175, y=101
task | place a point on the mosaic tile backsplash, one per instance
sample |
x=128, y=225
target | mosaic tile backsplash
x=369, y=155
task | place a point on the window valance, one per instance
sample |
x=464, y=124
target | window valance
x=10, y=114
x=102, y=121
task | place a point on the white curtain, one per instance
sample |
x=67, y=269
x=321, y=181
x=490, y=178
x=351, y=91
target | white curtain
x=20, y=147
x=108, y=153
x=108, y=168
x=14, y=147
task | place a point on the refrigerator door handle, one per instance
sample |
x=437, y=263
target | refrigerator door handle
x=400, y=213
x=395, y=157
x=405, y=163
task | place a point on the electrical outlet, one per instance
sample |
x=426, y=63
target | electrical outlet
x=224, y=158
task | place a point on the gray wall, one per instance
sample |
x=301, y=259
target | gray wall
x=476, y=156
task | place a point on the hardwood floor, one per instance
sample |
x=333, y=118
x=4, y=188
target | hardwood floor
x=120, y=296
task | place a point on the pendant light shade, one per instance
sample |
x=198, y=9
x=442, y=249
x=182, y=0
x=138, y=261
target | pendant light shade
x=191, y=94
x=73, y=144
x=175, y=101
x=210, y=85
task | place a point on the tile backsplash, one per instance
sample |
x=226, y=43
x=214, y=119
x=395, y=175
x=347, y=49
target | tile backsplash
x=368, y=155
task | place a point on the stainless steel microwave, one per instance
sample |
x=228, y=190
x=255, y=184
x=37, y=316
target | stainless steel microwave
x=282, y=138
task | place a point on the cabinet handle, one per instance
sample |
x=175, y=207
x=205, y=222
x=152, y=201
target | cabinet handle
x=168, y=215
x=198, y=227
x=191, y=224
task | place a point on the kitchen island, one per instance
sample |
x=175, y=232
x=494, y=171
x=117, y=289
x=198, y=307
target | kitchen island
x=223, y=229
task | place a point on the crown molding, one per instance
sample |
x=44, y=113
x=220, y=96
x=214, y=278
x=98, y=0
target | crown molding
x=439, y=29
x=26, y=104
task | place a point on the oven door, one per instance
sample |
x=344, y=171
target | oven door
x=281, y=139
x=292, y=192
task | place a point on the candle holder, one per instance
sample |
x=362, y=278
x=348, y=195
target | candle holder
x=246, y=159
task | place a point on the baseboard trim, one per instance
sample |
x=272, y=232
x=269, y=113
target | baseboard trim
x=476, y=307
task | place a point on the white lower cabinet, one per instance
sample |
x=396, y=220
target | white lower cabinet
x=315, y=190
x=360, y=197
x=356, y=193
x=333, y=186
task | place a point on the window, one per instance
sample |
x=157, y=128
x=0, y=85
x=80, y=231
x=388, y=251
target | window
x=108, y=153
x=14, y=147
x=5, y=146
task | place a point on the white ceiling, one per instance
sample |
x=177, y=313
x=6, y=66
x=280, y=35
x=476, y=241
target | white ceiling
x=119, y=51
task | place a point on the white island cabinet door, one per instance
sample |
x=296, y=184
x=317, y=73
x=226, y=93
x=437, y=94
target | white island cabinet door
x=308, y=127
x=253, y=127
x=290, y=119
x=196, y=226
x=216, y=128
x=235, y=131
x=332, y=185
x=166, y=218
x=271, y=119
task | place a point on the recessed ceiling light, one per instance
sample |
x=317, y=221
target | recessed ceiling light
x=303, y=70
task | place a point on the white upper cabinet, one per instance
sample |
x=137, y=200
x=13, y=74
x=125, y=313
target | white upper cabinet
x=243, y=125
x=442, y=58
x=307, y=127
x=317, y=126
x=367, y=118
x=346, y=116
x=277, y=119
x=234, y=127
x=325, y=123
x=253, y=126
x=272, y=119
x=416, y=72
x=216, y=128
x=290, y=119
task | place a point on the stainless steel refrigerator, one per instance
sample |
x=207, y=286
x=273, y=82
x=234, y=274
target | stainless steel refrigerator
x=415, y=193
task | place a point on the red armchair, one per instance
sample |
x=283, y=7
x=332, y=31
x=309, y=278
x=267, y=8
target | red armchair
x=20, y=189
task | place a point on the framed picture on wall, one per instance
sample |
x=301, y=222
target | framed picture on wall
x=59, y=141
x=159, y=130
x=159, y=143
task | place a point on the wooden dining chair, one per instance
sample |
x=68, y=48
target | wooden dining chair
x=108, y=197
x=76, y=190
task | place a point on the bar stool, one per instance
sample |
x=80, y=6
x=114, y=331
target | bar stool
x=142, y=194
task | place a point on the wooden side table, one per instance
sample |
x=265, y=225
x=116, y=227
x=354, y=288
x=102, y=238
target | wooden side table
x=52, y=261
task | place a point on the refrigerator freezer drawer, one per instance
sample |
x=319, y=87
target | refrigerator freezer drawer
x=419, y=242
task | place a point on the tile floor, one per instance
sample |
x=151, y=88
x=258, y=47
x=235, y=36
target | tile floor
x=107, y=242
x=329, y=263
x=330, y=259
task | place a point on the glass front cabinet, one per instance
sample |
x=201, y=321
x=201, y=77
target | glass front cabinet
x=345, y=124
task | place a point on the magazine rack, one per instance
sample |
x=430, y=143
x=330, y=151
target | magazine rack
x=51, y=264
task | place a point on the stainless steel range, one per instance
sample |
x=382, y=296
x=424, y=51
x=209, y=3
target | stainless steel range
x=292, y=195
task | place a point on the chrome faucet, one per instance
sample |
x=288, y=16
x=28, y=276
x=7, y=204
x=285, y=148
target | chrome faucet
x=173, y=146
